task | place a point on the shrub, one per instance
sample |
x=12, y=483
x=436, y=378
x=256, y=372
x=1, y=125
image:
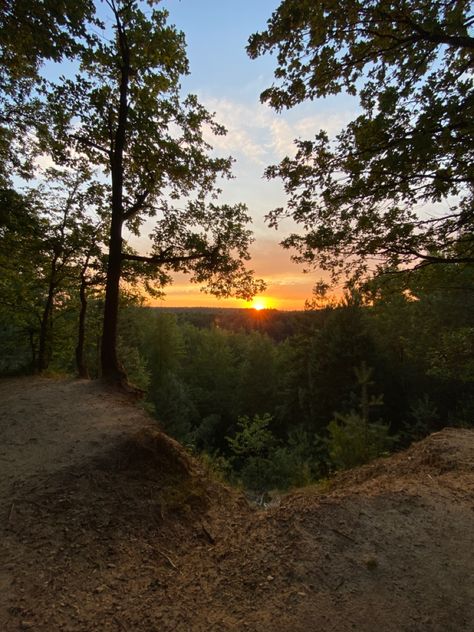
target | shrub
x=354, y=441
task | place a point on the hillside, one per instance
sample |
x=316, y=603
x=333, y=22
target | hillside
x=107, y=524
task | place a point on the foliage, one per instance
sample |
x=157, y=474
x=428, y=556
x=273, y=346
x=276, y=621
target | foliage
x=353, y=438
x=454, y=356
x=353, y=441
x=260, y=461
x=20, y=239
x=135, y=366
x=358, y=196
x=31, y=33
x=49, y=245
x=300, y=382
x=124, y=111
x=198, y=379
x=253, y=437
x=423, y=418
x=48, y=30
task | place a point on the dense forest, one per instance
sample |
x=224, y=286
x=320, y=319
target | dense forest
x=269, y=399
x=273, y=399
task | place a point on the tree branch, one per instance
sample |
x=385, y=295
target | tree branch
x=163, y=259
x=89, y=143
x=458, y=41
x=430, y=259
x=137, y=205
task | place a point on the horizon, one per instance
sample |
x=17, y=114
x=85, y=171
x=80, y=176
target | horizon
x=220, y=308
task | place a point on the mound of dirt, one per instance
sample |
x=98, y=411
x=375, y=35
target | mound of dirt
x=107, y=524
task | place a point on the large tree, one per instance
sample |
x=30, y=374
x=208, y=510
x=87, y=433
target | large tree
x=396, y=185
x=124, y=111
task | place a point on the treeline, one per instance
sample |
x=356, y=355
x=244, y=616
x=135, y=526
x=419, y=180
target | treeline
x=274, y=399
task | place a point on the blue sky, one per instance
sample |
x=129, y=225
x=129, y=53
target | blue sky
x=216, y=34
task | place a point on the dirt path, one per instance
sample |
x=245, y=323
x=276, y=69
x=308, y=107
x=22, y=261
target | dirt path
x=106, y=524
x=47, y=425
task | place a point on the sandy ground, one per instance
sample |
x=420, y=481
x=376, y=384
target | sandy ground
x=106, y=524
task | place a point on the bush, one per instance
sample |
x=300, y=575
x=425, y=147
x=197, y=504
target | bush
x=354, y=441
x=260, y=462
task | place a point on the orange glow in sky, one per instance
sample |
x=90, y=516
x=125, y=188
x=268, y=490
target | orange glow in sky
x=287, y=287
x=257, y=136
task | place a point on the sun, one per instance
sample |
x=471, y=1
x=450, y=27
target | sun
x=258, y=304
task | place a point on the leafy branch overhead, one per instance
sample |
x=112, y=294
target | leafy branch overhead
x=396, y=185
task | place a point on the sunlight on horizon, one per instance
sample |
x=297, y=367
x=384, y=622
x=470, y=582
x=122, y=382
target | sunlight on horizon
x=263, y=302
x=258, y=304
x=190, y=300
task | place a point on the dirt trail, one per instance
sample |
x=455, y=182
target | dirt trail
x=106, y=524
x=47, y=425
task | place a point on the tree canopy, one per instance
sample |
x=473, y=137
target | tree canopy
x=30, y=34
x=396, y=185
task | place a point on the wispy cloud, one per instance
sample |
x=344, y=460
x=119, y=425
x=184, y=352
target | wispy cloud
x=258, y=134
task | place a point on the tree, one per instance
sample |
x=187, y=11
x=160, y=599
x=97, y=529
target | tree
x=51, y=240
x=32, y=32
x=358, y=196
x=20, y=245
x=124, y=112
x=91, y=275
x=353, y=438
x=257, y=374
x=54, y=251
x=68, y=243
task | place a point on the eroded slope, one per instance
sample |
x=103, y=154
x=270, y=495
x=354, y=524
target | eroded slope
x=109, y=525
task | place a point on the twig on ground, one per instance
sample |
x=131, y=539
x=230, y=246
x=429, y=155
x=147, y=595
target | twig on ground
x=169, y=560
x=208, y=535
x=343, y=535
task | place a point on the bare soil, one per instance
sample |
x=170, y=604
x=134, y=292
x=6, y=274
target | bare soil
x=107, y=524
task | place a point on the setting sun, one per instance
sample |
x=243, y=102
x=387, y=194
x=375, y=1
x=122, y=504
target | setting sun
x=259, y=304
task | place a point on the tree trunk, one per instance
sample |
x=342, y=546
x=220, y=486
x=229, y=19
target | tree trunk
x=32, y=349
x=44, y=350
x=111, y=368
x=80, y=360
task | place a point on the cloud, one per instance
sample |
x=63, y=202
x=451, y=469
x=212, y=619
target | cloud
x=258, y=134
x=244, y=125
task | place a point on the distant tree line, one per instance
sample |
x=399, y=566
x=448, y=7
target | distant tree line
x=269, y=398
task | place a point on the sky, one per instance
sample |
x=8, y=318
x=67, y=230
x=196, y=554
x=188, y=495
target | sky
x=229, y=83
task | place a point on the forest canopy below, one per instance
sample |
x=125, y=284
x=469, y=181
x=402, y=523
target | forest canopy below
x=270, y=399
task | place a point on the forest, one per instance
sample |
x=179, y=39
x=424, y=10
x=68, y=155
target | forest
x=272, y=400
x=268, y=399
